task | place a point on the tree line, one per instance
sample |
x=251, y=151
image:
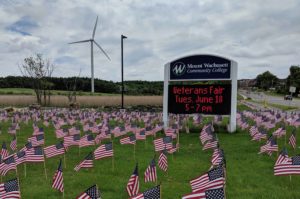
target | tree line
x=84, y=84
x=268, y=80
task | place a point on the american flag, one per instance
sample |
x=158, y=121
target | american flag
x=283, y=157
x=163, y=161
x=60, y=133
x=269, y=147
x=13, y=144
x=128, y=140
x=150, y=173
x=171, y=132
x=119, y=131
x=210, y=144
x=253, y=130
x=292, y=139
x=86, y=163
x=163, y=143
x=149, y=131
x=20, y=157
x=12, y=130
x=38, y=131
x=260, y=135
x=46, y=123
x=153, y=193
x=90, y=193
x=7, y=165
x=287, y=166
x=10, y=189
x=105, y=150
x=206, y=134
x=35, y=155
x=217, y=157
x=87, y=140
x=206, y=194
x=213, y=179
x=71, y=140
x=54, y=150
x=74, y=130
x=58, y=181
x=141, y=135
x=296, y=122
x=105, y=134
x=4, y=152
x=28, y=146
x=279, y=132
x=133, y=184
x=174, y=148
x=37, y=140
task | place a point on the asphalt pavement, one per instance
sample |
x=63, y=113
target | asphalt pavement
x=260, y=96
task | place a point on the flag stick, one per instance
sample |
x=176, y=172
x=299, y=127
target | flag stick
x=79, y=144
x=45, y=169
x=16, y=170
x=134, y=152
x=19, y=187
x=173, y=157
x=285, y=138
x=113, y=158
x=160, y=191
x=290, y=178
x=97, y=190
x=25, y=170
x=65, y=163
x=63, y=193
x=178, y=140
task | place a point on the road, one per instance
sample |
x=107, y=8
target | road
x=259, y=96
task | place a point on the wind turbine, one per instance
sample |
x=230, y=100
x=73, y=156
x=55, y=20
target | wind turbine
x=92, y=41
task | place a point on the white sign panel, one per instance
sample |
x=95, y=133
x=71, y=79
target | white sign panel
x=292, y=89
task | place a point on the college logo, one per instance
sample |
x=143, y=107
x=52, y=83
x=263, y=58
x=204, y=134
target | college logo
x=179, y=68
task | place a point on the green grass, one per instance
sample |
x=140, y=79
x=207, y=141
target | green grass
x=28, y=91
x=249, y=175
x=279, y=106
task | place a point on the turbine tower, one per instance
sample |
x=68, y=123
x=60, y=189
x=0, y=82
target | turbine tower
x=92, y=41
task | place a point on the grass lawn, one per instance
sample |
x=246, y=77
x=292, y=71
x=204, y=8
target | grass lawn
x=249, y=175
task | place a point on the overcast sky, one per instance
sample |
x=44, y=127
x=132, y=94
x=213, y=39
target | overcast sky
x=259, y=35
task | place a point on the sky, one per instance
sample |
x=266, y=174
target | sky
x=259, y=35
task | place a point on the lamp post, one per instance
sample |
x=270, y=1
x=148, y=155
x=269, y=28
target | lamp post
x=122, y=70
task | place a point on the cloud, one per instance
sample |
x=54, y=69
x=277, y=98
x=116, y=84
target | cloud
x=259, y=35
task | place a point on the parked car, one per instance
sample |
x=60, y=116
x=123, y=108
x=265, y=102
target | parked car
x=288, y=97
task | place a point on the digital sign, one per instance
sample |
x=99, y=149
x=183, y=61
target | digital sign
x=200, y=67
x=205, y=99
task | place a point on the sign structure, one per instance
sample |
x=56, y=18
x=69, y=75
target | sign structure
x=200, y=67
x=220, y=99
x=205, y=99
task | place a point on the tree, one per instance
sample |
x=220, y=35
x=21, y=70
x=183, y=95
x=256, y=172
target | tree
x=38, y=70
x=71, y=85
x=266, y=80
x=294, y=78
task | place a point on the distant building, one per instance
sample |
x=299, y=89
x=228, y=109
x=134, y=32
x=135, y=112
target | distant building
x=246, y=83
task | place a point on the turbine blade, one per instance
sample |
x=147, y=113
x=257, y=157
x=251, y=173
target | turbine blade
x=82, y=41
x=94, y=31
x=102, y=50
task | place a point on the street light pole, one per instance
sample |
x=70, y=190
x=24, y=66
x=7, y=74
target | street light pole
x=122, y=70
